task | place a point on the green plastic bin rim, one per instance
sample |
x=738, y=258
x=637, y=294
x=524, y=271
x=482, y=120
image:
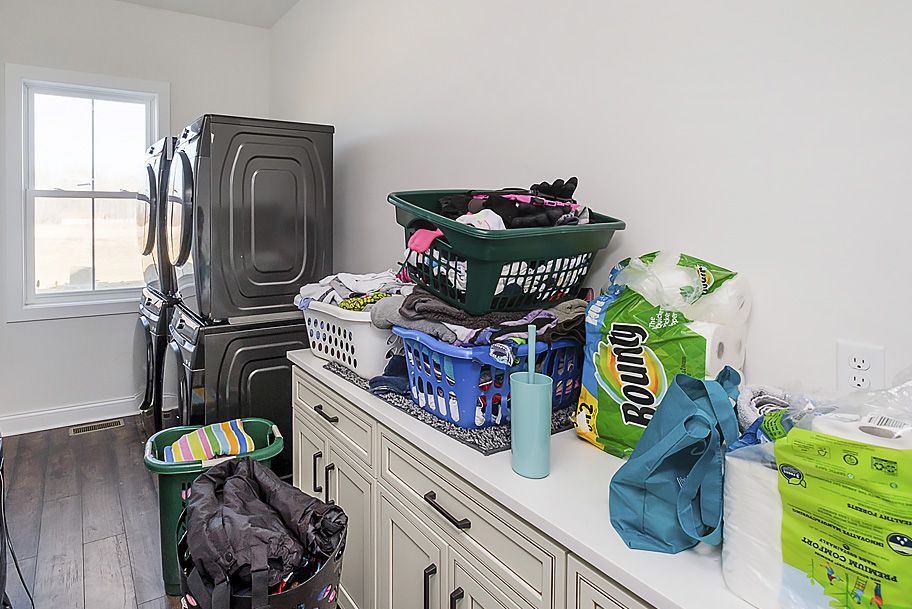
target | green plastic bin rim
x=598, y=222
x=154, y=464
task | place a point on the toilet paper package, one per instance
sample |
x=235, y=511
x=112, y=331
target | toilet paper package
x=638, y=338
x=819, y=513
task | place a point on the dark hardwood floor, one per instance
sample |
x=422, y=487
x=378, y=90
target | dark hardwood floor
x=83, y=516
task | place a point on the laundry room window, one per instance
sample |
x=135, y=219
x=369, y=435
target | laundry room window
x=82, y=151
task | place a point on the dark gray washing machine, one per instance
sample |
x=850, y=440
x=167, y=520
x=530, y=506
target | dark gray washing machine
x=249, y=215
x=232, y=371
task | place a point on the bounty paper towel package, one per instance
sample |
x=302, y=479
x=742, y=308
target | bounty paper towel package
x=640, y=333
x=819, y=516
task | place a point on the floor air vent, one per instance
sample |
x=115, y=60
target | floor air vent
x=99, y=426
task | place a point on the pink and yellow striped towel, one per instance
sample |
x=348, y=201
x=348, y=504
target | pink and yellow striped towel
x=216, y=440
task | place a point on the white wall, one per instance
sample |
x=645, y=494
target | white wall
x=213, y=66
x=773, y=137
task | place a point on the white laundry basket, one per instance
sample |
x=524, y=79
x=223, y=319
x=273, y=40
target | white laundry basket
x=349, y=338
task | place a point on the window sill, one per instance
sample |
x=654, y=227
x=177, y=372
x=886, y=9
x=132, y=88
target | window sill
x=125, y=302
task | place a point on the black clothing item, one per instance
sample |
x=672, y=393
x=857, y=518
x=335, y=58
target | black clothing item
x=454, y=206
x=247, y=530
x=560, y=190
x=513, y=214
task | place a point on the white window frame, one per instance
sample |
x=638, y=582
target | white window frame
x=21, y=303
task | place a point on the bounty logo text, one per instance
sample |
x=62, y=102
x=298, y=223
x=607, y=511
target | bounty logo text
x=631, y=373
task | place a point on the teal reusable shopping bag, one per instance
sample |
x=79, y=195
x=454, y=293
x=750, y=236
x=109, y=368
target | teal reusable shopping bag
x=667, y=497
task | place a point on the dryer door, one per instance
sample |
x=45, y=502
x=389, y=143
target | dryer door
x=178, y=232
x=146, y=225
x=145, y=211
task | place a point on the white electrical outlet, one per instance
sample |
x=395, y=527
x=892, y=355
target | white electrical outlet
x=860, y=366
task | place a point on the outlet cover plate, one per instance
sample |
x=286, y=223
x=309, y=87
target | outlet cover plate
x=860, y=365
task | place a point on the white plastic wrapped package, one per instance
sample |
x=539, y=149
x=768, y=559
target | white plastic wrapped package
x=819, y=521
x=664, y=283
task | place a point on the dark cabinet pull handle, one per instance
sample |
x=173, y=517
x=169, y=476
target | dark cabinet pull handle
x=319, y=410
x=431, y=497
x=316, y=457
x=429, y=571
x=326, y=471
x=455, y=596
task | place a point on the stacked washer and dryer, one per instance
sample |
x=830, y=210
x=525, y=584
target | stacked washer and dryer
x=246, y=220
x=159, y=293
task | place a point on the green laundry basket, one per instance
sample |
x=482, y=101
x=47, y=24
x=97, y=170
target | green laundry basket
x=516, y=269
x=174, y=480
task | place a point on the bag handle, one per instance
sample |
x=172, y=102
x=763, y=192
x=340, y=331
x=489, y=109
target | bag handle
x=705, y=479
x=259, y=577
x=703, y=521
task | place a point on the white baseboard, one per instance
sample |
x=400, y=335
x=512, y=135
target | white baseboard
x=66, y=416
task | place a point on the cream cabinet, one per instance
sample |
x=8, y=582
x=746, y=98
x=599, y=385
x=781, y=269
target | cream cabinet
x=353, y=489
x=310, y=452
x=587, y=589
x=419, y=536
x=411, y=558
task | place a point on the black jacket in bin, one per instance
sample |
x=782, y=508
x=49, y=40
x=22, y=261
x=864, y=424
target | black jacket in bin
x=247, y=531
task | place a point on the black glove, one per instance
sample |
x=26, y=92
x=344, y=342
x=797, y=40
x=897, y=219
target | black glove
x=560, y=190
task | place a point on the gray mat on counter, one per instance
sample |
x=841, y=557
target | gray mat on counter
x=487, y=441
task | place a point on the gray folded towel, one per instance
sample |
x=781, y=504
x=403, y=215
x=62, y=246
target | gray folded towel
x=423, y=305
x=757, y=400
x=385, y=314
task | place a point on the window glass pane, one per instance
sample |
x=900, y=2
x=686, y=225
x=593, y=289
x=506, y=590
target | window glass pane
x=118, y=263
x=63, y=142
x=63, y=245
x=120, y=144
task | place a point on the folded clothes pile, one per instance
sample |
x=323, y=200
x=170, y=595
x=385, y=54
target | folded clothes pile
x=426, y=313
x=353, y=292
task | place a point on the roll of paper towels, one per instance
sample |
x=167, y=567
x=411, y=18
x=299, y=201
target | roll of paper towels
x=752, y=545
x=724, y=346
x=884, y=431
x=729, y=304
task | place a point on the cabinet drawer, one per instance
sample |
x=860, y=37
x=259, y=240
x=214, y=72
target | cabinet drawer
x=347, y=425
x=470, y=589
x=588, y=589
x=528, y=564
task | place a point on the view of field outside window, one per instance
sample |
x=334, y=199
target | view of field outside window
x=86, y=242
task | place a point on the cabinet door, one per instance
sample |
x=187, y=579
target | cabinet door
x=588, y=589
x=469, y=589
x=353, y=490
x=411, y=568
x=309, y=456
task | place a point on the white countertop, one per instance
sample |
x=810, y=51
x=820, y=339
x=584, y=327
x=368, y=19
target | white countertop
x=570, y=506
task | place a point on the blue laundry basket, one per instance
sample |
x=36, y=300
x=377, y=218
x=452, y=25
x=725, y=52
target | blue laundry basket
x=466, y=386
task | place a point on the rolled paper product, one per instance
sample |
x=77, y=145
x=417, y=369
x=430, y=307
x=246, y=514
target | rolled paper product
x=724, y=346
x=890, y=433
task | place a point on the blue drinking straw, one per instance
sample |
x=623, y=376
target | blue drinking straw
x=531, y=357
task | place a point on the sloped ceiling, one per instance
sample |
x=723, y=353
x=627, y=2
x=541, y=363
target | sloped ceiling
x=260, y=13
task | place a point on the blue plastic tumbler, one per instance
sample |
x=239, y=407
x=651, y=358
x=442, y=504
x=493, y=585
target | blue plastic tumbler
x=530, y=418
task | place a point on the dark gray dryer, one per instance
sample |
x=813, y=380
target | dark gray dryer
x=151, y=216
x=229, y=371
x=249, y=214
